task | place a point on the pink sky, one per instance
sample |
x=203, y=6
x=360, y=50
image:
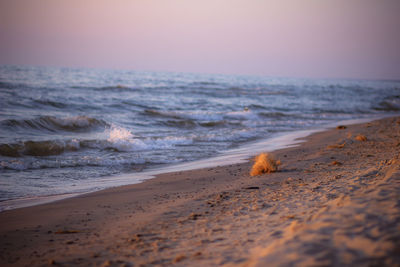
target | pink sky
x=306, y=38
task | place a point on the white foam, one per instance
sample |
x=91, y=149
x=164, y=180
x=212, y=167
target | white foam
x=13, y=165
x=118, y=133
x=122, y=139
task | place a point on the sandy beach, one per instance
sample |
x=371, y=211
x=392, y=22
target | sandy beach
x=335, y=201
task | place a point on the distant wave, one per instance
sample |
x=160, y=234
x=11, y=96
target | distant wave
x=164, y=114
x=389, y=104
x=187, y=119
x=7, y=85
x=203, y=116
x=180, y=123
x=51, y=123
x=275, y=114
x=205, y=83
x=51, y=103
x=259, y=91
x=117, y=87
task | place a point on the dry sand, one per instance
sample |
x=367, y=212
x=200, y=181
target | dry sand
x=334, y=202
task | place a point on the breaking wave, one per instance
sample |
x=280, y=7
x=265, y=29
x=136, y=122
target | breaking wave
x=202, y=118
x=119, y=139
x=51, y=123
x=38, y=148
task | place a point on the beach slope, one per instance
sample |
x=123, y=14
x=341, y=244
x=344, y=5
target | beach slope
x=334, y=201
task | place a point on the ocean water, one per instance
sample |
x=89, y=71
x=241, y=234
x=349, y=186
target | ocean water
x=61, y=128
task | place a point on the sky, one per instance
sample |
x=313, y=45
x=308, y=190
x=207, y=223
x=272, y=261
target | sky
x=285, y=38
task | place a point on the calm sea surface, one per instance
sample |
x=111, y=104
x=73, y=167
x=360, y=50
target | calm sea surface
x=61, y=127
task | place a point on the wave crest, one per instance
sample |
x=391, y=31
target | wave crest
x=121, y=139
x=389, y=104
x=51, y=123
x=38, y=148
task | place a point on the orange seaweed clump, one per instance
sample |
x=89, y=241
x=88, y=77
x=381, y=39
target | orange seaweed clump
x=264, y=163
x=361, y=138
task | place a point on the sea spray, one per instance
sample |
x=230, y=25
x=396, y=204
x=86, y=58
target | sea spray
x=122, y=139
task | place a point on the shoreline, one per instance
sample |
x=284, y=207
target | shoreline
x=233, y=156
x=333, y=202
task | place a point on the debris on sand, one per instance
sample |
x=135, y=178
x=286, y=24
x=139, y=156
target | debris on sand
x=361, y=138
x=264, y=163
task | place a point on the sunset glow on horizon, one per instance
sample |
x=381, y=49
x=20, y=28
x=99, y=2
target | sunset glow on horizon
x=307, y=38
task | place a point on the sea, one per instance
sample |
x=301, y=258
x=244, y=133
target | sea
x=65, y=131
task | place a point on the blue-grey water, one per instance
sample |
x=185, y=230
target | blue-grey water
x=61, y=127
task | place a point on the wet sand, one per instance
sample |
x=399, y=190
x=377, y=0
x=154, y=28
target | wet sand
x=334, y=202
